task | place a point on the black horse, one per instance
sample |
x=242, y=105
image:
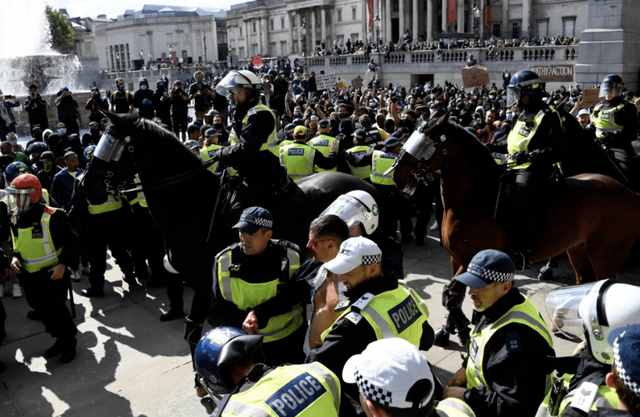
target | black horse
x=194, y=208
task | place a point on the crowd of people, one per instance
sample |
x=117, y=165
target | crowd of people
x=358, y=350
x=408, y=43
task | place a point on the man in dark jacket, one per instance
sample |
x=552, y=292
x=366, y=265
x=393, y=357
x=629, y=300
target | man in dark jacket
x=143, y=93
x=96, y=106
x=68, y=112
x=7, y=119
x=506, y=372
x=36, y=108
x=201, y=94
x=66, y=182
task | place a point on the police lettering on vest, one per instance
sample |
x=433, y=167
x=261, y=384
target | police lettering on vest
x=297, y=395
x=404, y=314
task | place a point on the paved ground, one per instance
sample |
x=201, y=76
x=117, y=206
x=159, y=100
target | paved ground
x=131, y=364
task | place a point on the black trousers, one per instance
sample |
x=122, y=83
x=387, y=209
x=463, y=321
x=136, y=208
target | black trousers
x=287, y=350
x=146, y=242
x=49, y=299
x=395, y=208
x=106, y=231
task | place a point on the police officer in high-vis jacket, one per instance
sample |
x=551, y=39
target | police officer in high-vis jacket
x=253, y=288
x=230, y=364
x=615, y=121
x=326, y=144
x=358, y=150
x=506, y=373
x=43, y=251
x=376, y=307
x=300, y=158
x=591, y=312
x=253, y=141
x=535, y=144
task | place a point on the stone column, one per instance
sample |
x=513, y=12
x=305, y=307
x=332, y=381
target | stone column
x=387, y=21
x=506, y=30
x=444, y=16
x=526, y=18
x=460, y=16
x=400, y=18
x=430, y=20
x=246, y=39
x=299, y=30
x=414, y=28
x=323, y=26
x=290, y=40
x=365, y=20
x=313, y=30
x=482, y=5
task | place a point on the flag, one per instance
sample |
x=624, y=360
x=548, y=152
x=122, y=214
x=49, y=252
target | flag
x=370, y=9
x=452, y=12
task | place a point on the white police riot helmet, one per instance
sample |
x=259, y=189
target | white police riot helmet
x=592, y=311
x=238, y=79
x=356, y=207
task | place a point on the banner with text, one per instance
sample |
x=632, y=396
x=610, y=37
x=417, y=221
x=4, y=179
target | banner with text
x=555, y=73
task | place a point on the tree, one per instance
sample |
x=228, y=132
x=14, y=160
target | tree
x=62, y=33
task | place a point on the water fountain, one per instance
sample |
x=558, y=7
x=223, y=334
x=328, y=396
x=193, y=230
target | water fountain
x=26, y=56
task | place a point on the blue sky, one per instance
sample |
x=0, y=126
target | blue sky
x=112, y=8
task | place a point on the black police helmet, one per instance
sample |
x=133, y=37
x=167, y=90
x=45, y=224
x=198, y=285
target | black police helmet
x=524, y=82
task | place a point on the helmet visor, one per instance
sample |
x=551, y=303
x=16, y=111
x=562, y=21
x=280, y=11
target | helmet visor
x=230, y=83
x=352, y=211
x=18, y=200
x=608, y=88
x=563, y=307
x=419, y=145
x=513, y=96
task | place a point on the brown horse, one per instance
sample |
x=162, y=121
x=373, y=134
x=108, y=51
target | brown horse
x=591, y=217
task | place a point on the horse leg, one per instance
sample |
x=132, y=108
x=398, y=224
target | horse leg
x=456, y=322
x=581, y=263
x=608, y=257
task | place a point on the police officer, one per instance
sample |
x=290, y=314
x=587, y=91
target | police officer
x=300, y=158
x=625, y=373
x=211, y=145
x=42, y=251
x=376, y=307
x=121, y=99
x=506, y=372
x=324, y=143
x=357, y=151
x=591, y=312
x=253, y=289
x=535, y=144
x=616, y=125
x=230, y=363
x=253, y=142
x=394, y=379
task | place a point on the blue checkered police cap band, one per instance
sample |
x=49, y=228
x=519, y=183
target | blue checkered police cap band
x=259, y=221
x=619, y=365
x=372, y=392
x=371, y=259
x=489, y=275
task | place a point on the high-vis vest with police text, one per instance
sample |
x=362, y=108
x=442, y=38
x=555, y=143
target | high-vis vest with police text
x=381, y=162
x=297, y=158
x=36, y=248
x=363, y=172
x=327, y=146
x=521, y=135
x=309, y=390
x=604, y=120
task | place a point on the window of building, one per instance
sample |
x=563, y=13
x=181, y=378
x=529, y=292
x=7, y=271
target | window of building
x=516, y=29
x=240, y=29
x=569, y=26
x=353, y=13
x=283, y=48
x=542, y=27
x=496, y=30
x=241, y=52
x=255, y=27
x=271, y=24
x=272, y=49
x=282, y=22
x=339, y=17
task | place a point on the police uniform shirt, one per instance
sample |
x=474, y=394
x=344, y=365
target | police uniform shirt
x=264, y=267
x=514, y=363
x=350, y=336
x=60, y=231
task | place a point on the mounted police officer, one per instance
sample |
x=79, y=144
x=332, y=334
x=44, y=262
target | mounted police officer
x=300, y=158
x=253, y=142
x=616, y=125
x=377, y=307
x=591, y=312
x=230, y=363
x=506, y=373
x=535, y=145
x=253, y=287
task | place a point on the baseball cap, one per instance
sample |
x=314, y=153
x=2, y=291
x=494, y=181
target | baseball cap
x=253, y=218
x=212, y=131
x=584, y=112
x=354, y=252
x=487, y=267
x=626, y=361
x=324, y=123
x=392, y=142
x=392, y=373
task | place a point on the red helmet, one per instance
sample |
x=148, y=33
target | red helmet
x=27, y=182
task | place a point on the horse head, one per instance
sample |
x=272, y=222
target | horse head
x=422, y=153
